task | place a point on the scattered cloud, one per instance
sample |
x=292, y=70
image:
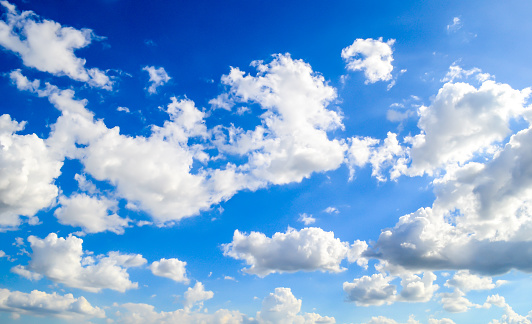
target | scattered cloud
x=373, y=56
x=158, y=77
x=170, y=268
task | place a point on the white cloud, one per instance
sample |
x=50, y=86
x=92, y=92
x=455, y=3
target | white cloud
x=510, y=316
x=280, y=307
x=466, y=281
x=61, y=260
x=306, y=219
x=441, y=321
x=377, y=289
x=386, y=320
x=38, y=303
x=90, y=213
x=170, y=268
x=374, y=290
x=49, y=47
x=463, y=121
x=28, y=170
x=195, y=296
x=124, y=109
x=455, y=25
x=309, y=249
x=373, y=56
x=331, y=210
x=291, y=143
x=158, y=77
x=455, y=302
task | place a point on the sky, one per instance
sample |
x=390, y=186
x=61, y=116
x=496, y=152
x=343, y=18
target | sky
x=265, y=162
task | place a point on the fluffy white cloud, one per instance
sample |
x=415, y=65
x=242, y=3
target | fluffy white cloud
x=374, y=290
x=170, y=268
x=466, y=281
x=90, y=213
x=386, y=320
x=158, y=77
x=61, y=260
x=377, y=289
x=309, y=249
x=306, y=219
x=291, y=143
x=463, y=121
x=373, y=56
x=27, y=172
x=49, y=47
x=456, y=302
x=195, y=296
x=38, y=303
x=380, y=156
x=510, y=316
x=280, y=307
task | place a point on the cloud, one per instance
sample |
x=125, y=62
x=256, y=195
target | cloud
x=456, y=302
x=195, y=296
x=280, y=307
x=61, y=260
x=331, y=210
x=463, y=121
x=38, y=303
x=158, y=77
x=386, y=320
x=90, y=213
x=455, y=25
x=291, y=143
x=377, y=289
x=466, y=281
x=47, y=46
x=306, y=219
x=28, y=170
x=170, y=268
x=373, y=56
x=309, y=249
x=510, y=316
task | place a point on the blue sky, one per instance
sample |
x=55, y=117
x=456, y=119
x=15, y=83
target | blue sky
x=265, y=162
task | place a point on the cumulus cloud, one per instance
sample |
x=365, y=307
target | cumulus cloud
x=39, y=303
x=306, y=219
x=510, y=316
x=170, y=268
x=466, y=281
x=90, y=213
x=280, y=307
x=62, y=260
x=373, y=56
x=195, y=296
x=47, y=46
x=463, y=121
x=158, y=77
x=291, y=143
x=309, y=249
x=378, y=289
x=28, y=170
x=456, y=302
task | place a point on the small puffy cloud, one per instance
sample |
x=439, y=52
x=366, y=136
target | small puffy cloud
x=38, y=303
x=306, y=219
x=123, y=109
x=374, y=290
x=373, y=56
x=170, y=268
x=386, y=320
x=456, y=302
x=28, y=169
x=455, y=25
x=47, y=46
x=158, y=77
x=195, y=296
x=309, y=249
x=90, y=213
x=509, y=316
x=466, y=281
x=61, y=260
x=331, y=210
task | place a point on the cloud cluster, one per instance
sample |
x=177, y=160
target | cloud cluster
x=28, y=170
x=309, y=249
x=373, y=56
x=62, y=260
x=38, y=303
x=47, y=46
